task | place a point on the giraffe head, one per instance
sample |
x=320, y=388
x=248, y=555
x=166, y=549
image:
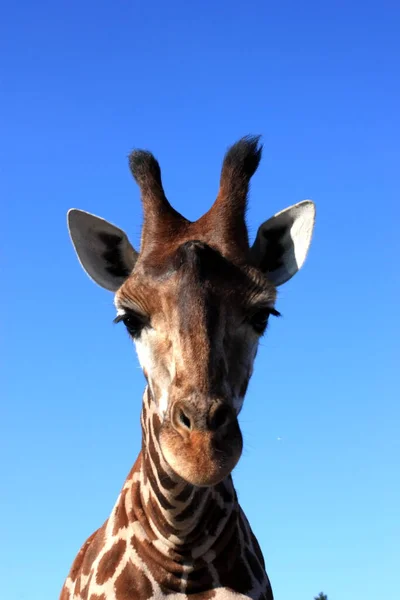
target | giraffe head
x=196, y=298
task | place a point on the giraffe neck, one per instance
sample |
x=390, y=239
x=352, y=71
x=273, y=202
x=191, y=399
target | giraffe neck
x=166, y=537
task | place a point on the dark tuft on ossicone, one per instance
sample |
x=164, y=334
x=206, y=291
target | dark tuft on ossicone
x=144, y=168
x=224, y=223
x=243, y=158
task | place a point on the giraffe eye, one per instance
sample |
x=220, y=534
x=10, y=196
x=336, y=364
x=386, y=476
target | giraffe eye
x=134, y=322
x=259, y=319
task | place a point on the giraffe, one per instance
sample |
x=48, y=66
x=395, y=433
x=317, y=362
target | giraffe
x=195, y=299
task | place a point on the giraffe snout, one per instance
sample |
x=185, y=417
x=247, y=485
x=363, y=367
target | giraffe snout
x=201, y=440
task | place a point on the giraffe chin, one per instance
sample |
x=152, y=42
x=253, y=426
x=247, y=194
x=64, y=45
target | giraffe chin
x=201, y=459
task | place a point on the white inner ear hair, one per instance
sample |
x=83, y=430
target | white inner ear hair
x=300, y=232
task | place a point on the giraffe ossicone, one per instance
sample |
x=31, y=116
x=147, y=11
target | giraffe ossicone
x=195, y=298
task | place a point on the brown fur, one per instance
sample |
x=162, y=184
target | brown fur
x=65, y=595
x=110, y=561
x=121, y=518
x=93, y=549
x=132, y=583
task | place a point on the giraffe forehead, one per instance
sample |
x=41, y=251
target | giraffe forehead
x=192, y=275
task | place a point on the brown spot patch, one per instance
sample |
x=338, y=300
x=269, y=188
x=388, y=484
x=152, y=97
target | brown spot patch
x=237, y=578
x=133, y=583
x=164, y=478
x=65, y=595
x=267, y=595
x=255, y=566
x=243, y=389
x=227, y=495
x=85, y=590
x=156, y=516
x=110, y=562
x=156, y=423
x=138, y=512
x=231, y=568
x=97, y=597
x=77, y=587
x=257, y=549
x=199, y=580
x=218, y=514
x=76, y=565
x=244, y=529
x=155, y=488
x=190, y=509
x=92, y=552
x=228, y=537
x=185, y=493
x=133, y=470
x=120, y=517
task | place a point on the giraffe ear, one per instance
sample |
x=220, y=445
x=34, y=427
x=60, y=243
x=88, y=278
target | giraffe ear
x=103, y=249
x=282, y=242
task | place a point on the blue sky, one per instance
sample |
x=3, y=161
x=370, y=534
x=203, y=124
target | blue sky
x=82, y=84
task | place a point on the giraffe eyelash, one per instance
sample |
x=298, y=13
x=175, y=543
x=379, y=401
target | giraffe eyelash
x=258, y=319
x=134, y=322
x=268, y=310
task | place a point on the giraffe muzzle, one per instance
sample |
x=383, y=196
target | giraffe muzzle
x=201, y=440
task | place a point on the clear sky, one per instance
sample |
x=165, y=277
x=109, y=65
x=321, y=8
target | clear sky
x=82, y=84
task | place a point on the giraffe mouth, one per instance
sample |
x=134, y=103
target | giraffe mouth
x=202, y=458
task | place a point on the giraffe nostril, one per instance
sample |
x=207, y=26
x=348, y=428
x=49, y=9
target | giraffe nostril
x=184, y=419
x=221, y=416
